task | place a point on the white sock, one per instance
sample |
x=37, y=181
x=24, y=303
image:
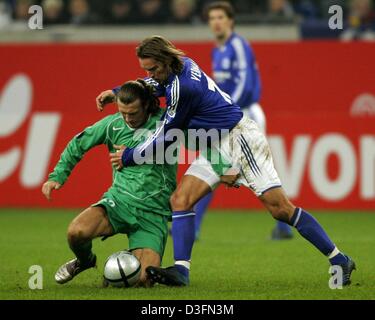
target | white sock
x=334, y=253
x=183, y=263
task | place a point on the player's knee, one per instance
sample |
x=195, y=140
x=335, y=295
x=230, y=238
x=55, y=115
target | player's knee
x=281, y=211
x=180, y=202
x=280, y=214
x=278, y=204
x=77, y=233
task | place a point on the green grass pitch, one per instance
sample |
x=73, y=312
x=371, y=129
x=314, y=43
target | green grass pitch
x=234, y=259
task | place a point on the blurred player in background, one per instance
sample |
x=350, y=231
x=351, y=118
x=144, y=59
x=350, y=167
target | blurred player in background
x=235, y=71
x=137, y=203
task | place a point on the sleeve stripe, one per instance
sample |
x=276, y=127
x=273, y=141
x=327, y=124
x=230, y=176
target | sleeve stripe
x=240, y=86
x=240, y=53
x=242, y=65
x=175, y=94
x=152, y=138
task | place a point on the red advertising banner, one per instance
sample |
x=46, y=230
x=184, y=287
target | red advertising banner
x=319, y=99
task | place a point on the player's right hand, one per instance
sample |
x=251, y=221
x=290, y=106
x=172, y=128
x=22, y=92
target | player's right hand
x=48, y=187
x=104, y=98
x=116, y=157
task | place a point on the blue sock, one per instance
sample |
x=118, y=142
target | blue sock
x=338, y=259
x=200, y=209
x=284, y=227
x=182, y=269
x=311, y=230
x=183, y=236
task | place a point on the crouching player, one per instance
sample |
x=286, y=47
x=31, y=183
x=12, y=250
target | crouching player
x=137, y=203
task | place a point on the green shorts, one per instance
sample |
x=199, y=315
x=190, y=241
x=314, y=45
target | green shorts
x=144, y=229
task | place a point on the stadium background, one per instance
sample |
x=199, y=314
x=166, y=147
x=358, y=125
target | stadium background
x=319, y=99
x=318, y=95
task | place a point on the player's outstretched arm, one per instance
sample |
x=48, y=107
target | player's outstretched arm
x=48, y=186
x=92, y=136
x=104, y=98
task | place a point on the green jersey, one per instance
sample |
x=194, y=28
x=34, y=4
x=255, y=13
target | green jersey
x=147, y=187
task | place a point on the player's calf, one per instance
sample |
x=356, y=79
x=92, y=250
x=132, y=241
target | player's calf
x=77, y=234
x=81, y=245
x=280, y=207
x=308, y=227
x=90, y=224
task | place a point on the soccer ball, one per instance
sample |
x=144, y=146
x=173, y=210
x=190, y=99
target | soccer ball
x=122, y=269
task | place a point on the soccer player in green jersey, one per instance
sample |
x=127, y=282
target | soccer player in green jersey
x=137, y=203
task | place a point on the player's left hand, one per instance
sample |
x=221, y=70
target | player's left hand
x=48, y=187
x=116, y=157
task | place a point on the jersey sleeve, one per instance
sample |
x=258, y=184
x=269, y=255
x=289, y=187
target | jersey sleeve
x=242, y=61
x=74, y=151
x=175, y=117
x=159, y=89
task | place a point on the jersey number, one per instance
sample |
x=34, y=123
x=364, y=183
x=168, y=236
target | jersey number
x=213, y=87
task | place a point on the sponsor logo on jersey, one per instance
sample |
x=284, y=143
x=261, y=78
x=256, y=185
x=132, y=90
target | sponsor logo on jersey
x=116, y=129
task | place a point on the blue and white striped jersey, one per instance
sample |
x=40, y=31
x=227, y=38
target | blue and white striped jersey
x=236, y=72
x=193, y=101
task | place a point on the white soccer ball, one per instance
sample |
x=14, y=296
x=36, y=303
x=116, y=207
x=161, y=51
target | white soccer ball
x=122, y=269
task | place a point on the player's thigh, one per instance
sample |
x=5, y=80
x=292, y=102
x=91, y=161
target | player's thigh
x=188, y=192
x=199, y=180
x=147, y=258
x=202, y=169
x=251, y=153
x=91, y=223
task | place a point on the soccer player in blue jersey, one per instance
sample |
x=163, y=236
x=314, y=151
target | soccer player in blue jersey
x=235, y=71
x=194, y=101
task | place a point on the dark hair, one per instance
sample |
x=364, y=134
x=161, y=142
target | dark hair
x=162, y=50
x=130, y=91
x=222, y=5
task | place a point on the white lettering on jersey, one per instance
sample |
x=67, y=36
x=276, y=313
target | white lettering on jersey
x=196, y=74
x=213, y=87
